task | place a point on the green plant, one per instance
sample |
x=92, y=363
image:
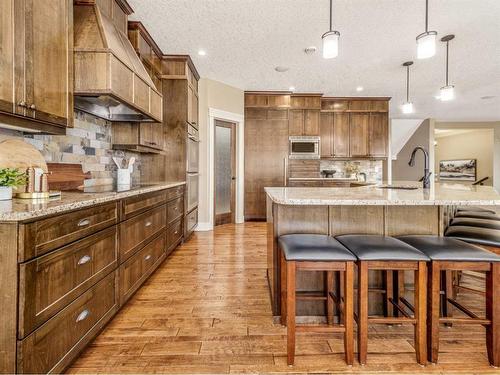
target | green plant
x=12, y=177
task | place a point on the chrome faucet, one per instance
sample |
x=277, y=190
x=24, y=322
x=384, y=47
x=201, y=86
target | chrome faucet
x=427, y=175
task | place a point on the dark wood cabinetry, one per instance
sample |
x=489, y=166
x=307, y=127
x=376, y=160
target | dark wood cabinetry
x=304, y=122
x=334, y=135
x=358, y=134
x=36, y=80
x=67, y=275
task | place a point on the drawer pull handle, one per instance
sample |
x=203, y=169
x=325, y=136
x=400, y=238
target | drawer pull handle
x=148, y=223
x=82, y=316
x=147, y=257
x=83, y=222
x=84, y=259
x=176, y=232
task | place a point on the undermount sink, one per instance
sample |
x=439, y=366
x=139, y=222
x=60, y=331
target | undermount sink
x=398, y=187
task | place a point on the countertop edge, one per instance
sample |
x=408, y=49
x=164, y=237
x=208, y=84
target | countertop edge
x=13, y=217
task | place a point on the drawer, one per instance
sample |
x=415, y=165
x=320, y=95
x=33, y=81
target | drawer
x=56, y=343
x=174, y=234
x=138, y=267
x=175, y=192
x=136, y=232
x=49, y=283
x=135, y=205
x=44, y=235
x=191, y=220
x=175, y=210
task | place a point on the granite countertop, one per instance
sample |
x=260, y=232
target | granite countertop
x=439, y=194
x=26, y=209
x=339, y=179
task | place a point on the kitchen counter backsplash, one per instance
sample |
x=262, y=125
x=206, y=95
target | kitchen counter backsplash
x=87, y=143
x=344, y=168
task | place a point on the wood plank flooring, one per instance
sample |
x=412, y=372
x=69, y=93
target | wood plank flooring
x=206, y=311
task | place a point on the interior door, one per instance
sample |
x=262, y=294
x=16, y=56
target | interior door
x=225, y=172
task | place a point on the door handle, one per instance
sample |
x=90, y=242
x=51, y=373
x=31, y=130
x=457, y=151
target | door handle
x=233, y=178
x=83, y=222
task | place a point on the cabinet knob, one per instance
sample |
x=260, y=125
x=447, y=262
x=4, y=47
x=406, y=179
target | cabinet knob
x=148, y=224
x=83, y=315
x=22, y=103
x=33, y=107
x=147, y=257
x=84, y=259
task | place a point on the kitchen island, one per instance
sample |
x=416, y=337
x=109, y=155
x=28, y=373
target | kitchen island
x=399, y=209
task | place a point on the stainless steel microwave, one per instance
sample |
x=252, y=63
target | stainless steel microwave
x=304, y=147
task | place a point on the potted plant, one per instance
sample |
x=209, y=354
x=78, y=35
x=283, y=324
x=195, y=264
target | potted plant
x=9, y=178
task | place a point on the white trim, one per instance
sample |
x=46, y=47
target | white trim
x=203, y=227
x=238, y=119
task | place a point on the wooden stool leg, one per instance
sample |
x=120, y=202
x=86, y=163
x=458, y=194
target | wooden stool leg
x=349, y=313
x=362, y=311
x=339, y=287
x=283, y=288
x=290, y=312
x=399, y=288
x=329, y=299
x=493, y=313
x=389, y=293
x=447, y=287
x=433, y=302
x=420, y=312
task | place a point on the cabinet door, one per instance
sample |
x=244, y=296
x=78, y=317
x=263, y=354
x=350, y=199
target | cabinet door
x=311, y=122
x=151, y=135
x=192, y=115
x=48, y=60
x=326, y=134
x=341, y=135
x=296, y=122
x=6, y=56
x=378, y=134
x=358, y=134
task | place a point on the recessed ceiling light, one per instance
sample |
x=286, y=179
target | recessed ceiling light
x=292, y=88
x=359, y=88
x=310, y=50
x=202, y=52
x=281, y=69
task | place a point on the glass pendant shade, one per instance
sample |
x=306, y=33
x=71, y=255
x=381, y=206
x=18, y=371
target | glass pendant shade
x=407, y=108
x=426, y=44
x=447, y=93
x=330, y=44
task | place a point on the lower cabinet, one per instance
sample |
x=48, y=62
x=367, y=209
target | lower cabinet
x=138, y=267
x=55, y=344
x=67, y=293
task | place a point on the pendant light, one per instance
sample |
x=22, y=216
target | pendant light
x=407, y=106
x=448, y=91
x=426, y=42
x=330, y=40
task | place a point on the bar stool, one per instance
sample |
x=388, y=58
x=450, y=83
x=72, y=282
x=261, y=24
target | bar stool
x=387, y=253
x=471, y=222
x=316, y=252
x=485, y=237
x=478, y=215
x=474, y=209
x=451, y=254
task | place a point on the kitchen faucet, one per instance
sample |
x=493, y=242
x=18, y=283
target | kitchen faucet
x=427, y=175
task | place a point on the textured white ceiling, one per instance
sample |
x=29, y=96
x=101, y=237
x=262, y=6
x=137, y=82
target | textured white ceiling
x=246, y=39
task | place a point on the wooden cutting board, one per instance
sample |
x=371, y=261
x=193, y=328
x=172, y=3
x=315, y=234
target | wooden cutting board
x=15, y=153
x=66, y=177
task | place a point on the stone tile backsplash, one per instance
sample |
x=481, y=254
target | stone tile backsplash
x=88, y=143
x=344, y=168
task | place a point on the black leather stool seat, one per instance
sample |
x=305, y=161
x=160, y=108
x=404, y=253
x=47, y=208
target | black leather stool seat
x=478, y=215
x=313, y=248
x=481, y=236
x=449, y=249
x=471, y=222
x=374, y=247
x=474, y=209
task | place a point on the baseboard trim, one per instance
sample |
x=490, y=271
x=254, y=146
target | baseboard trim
x=203, y=227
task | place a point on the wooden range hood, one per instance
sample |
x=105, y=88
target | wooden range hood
x=110, y=80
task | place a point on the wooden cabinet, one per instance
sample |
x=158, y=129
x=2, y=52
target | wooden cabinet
x=304, y=122
x=55, y=344
x=358, y=134
x=378, y=136
x=36, y=82
x=192, y=114
x=334, y=135
x=140, y=203
x=302, y=101
x=326, y=135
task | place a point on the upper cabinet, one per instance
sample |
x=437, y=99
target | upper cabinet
x=304, y=119
x=36, y=64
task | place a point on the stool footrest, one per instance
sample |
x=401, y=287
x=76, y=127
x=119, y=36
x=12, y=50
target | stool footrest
x=310, y=296
x=462, y=308
x=318, y=328
x=407, y=304
x=391, y=320
x=484, y=322
x=399, y=308
x=470, y=290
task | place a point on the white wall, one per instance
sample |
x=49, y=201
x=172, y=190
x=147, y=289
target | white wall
x=217, y=96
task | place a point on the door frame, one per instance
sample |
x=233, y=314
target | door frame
x=238, y=119
x=232, y=213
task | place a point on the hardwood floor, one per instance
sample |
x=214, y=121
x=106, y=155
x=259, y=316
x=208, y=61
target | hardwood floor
x=207, y=310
